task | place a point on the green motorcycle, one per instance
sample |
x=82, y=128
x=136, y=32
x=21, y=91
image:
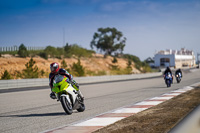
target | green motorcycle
x=68, y=95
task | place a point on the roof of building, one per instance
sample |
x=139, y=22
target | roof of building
x=183, y=51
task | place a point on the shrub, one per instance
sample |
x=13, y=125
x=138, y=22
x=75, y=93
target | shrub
x=42, y=72
x=114, y=60
x=6, y=75
x=78, y=69
x=43, y=55
x=64, y=65
x=77, y=51
x=142, y=66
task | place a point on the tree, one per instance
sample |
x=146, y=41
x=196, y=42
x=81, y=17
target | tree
x=108, y=40
x=31, y=71
x=52, y=51
x=67, y=48
x=23, y=51
x=6, y=75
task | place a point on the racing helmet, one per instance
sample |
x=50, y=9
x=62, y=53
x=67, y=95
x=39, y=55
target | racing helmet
x=54, y=67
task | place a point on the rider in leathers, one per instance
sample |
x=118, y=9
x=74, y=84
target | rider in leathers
x=179, y=71
x=168, y=70
x=54, y=67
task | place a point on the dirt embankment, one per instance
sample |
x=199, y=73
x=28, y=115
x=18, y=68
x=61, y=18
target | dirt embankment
x=95, y=63
x=158, y=119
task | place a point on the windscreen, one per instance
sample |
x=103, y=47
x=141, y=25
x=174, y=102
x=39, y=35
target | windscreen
x=58, y=78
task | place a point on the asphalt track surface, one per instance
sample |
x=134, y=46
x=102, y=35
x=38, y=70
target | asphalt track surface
x=33, y=110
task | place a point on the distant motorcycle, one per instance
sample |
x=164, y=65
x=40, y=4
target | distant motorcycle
x=168, y=79
x=67, y=95
x=178, y=77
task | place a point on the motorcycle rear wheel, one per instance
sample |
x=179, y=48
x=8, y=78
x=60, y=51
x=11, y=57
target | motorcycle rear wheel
x=66, y=105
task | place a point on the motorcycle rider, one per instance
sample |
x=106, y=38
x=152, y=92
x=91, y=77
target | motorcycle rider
x=168, y=70
x=55, y=70
x=178, y=71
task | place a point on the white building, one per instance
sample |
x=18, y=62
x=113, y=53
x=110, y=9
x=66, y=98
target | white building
x=175, y=58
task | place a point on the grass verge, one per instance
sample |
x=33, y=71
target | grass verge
x=160, y=118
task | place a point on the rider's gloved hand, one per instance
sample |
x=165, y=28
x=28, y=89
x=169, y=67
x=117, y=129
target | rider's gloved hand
x=71, y=77
x=68, y=80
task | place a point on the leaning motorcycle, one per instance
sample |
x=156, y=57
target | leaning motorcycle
x=178, y=77
x=168, y=79
x=67, y=95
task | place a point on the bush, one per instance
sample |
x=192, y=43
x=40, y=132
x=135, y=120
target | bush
x=142, y=66
x=114, y=60
x=77, y=51
x=42, y=72
x=43, y=55
x=64, y=65
x=6, y=75
x=77, y=69
x=146, y=67
x=133, y=58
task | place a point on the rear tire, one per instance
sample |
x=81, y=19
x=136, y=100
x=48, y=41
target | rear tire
x=66, y=105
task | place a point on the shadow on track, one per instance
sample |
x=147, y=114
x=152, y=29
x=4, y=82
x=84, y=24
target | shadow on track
x=36, y=115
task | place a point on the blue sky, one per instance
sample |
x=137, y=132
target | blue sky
x=148, y=25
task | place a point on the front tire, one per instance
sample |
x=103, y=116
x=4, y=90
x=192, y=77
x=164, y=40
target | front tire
x=66, y=105
x=178, y=80
x=168, y=83
x=82, y=108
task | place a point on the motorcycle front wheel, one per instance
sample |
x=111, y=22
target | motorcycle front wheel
x=82, y=108
x=168, y=83
x=178, y=80
x=66, y=105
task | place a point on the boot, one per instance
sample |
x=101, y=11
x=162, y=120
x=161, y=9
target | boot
x=52, y=95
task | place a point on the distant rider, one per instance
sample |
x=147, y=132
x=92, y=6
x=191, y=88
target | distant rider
x=168, y=70
x=179, y=71
x=55, y=70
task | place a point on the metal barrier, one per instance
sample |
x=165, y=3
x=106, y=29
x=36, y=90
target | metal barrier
x=21, y=83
